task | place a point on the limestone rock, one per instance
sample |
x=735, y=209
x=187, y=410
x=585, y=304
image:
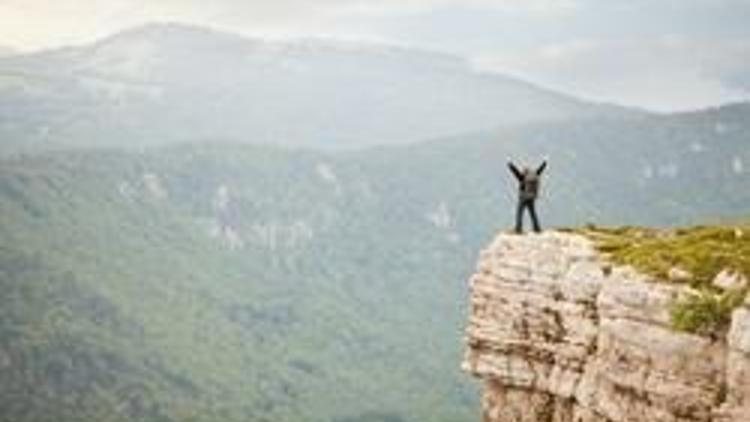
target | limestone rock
x=559, y=336
x=679, y=275
x=729, y=280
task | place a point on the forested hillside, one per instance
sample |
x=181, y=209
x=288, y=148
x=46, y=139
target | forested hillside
x=245, y=282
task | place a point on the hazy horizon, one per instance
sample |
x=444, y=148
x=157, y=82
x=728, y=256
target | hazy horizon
x=659, y=56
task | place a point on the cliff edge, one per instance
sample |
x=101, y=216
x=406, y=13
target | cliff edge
x=557, y=334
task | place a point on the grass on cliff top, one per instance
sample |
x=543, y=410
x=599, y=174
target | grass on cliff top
x=701, y=251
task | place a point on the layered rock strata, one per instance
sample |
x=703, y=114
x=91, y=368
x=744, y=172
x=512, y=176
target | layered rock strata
x=558, y=335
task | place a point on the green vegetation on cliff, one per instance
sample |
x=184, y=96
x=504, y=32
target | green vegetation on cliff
x=690, y=255
x=701, y=251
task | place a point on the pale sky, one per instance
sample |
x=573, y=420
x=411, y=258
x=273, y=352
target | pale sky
x=658, y=54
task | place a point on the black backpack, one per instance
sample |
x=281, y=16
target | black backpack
x=529, y=185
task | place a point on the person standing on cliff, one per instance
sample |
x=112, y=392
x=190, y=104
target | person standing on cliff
x=528, y=191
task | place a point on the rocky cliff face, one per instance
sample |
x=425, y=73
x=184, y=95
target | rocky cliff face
x=557, y=335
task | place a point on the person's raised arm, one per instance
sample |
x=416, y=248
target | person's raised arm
x=541, y=168
x=515, y=171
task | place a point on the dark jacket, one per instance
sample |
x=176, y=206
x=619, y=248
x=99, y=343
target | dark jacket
x=528, y=181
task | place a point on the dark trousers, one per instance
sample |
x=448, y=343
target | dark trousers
x=529, y=205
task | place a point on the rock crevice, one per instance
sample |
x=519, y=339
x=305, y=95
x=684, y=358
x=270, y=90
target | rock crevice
x=558, y=335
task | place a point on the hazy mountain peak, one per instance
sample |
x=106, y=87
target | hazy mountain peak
x=172, y=82
x=197, y=38
x=168, y=31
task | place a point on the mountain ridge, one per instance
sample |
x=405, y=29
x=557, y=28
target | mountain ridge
x=161, y=84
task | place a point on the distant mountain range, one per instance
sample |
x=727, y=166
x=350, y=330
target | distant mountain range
x=163, y=83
